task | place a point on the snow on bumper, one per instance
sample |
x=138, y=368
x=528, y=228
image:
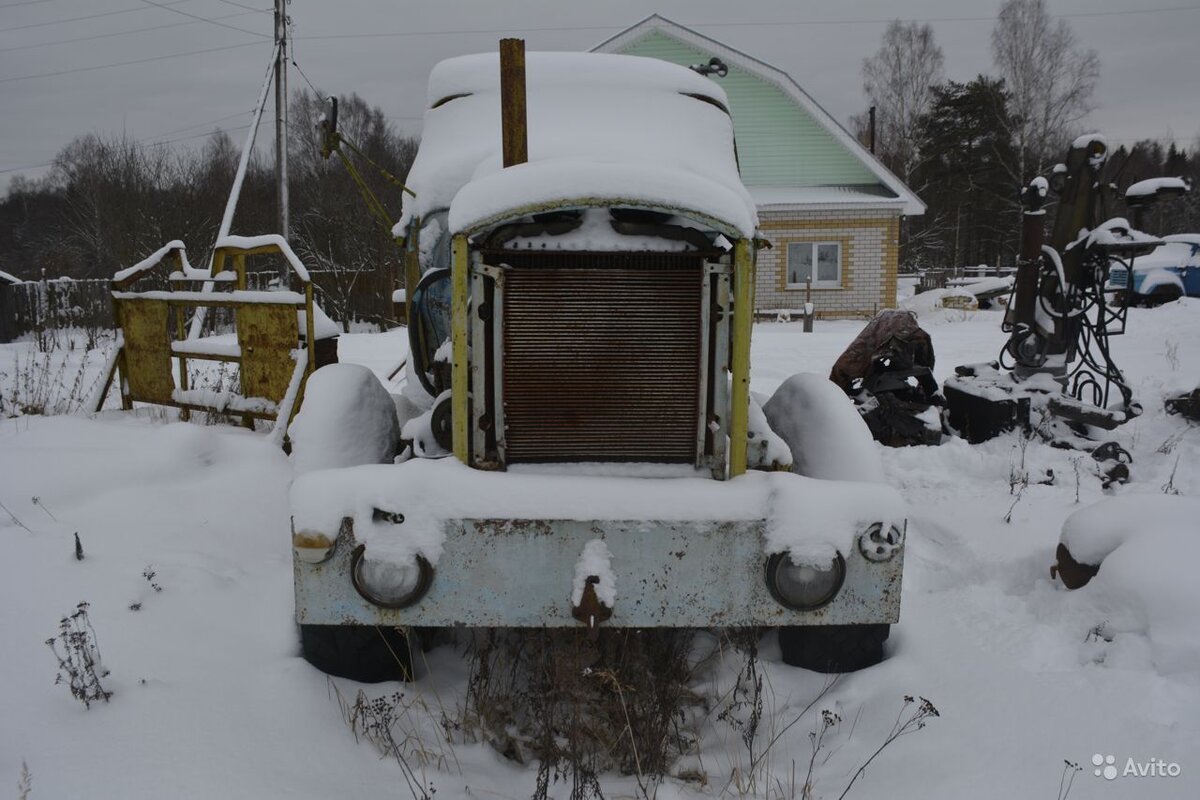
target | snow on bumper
x=521, y=573
x=505, y=548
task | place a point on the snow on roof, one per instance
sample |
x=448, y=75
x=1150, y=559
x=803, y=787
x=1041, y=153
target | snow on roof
x=1172, y=253
x=604, y=130
x=783, y=197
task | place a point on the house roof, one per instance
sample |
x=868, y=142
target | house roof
x=903, y=197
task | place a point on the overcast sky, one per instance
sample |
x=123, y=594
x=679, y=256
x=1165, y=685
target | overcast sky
x=56, y=82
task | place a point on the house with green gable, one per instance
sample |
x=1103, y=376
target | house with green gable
x=829, y=208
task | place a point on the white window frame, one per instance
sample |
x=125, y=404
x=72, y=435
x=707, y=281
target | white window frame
x=817, y=284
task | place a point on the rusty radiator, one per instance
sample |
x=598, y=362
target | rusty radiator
x=601, y=357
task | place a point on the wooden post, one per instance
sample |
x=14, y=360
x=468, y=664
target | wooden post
x=512, y=102
x=181, y=334
x=809, y=311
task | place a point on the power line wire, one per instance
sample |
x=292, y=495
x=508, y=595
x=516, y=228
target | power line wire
x=117, y=33
x=205, y=19
x=197, y=125
x=772, y=23
x=248, y=8
x=152, y=141
x=87, y=16
x=195, y=136
x=127, y=63
x=24, y=3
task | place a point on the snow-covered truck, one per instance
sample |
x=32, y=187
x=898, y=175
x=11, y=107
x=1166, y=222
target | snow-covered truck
x=577, y=443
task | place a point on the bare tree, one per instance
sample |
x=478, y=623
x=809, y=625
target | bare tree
x=898, y=81
x=1050, y=79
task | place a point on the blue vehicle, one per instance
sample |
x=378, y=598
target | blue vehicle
x=1170, y=272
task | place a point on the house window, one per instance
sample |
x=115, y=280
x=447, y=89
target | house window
x=801, y=258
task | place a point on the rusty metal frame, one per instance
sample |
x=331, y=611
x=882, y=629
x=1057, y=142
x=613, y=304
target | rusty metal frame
x=260, y=323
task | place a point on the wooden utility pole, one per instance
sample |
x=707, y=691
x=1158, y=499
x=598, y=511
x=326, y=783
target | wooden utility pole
x=512, y=102
x=281, y=115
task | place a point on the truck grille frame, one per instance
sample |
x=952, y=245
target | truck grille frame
x=598, y=357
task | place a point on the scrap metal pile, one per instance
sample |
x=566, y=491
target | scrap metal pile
x=1056, y=375
x=888, y=370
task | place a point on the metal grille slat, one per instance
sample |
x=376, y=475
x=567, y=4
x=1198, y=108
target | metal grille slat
x=601, y=356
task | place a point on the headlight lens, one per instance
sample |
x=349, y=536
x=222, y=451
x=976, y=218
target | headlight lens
x=877, y=544
x=388, y=584
x=804, y=587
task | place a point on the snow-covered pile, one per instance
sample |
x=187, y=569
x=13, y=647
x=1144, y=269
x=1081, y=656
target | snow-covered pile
x=1148, y=549
x=347, y=419
x=604, y=130
x=825, y=433
x=937, y=299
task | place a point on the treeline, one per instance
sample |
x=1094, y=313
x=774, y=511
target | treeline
x=967, y=148
x=970, y=173
x=108, y=202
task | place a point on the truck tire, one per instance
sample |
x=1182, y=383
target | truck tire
x=362, y=653
x=833, y=648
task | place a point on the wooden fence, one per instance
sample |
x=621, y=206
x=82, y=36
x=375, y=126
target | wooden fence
x=63, y=303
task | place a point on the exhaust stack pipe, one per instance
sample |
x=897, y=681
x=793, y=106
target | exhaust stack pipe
x=513, y=118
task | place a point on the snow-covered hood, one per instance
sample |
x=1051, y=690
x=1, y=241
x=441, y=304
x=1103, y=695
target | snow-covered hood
x=604, y=130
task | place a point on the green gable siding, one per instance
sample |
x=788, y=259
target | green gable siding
x=779, y=144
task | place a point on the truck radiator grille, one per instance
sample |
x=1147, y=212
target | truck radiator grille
x=601, y=357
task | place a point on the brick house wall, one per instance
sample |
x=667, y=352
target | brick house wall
x=869, y=259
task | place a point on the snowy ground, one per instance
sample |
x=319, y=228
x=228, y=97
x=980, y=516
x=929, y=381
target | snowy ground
x=211, y=699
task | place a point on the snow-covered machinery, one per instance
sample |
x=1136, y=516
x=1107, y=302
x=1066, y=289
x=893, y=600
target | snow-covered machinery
x=577, y=443
x=278, y=337
x=1056, y=362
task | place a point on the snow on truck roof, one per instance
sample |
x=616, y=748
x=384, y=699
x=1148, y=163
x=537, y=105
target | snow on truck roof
x=604, y=130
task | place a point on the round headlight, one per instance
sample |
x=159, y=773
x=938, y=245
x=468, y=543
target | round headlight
x=877, y=544
x=388, y=584
x=804, y=587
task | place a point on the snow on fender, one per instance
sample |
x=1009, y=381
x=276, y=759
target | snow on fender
x=824, y=431
x=348, y=419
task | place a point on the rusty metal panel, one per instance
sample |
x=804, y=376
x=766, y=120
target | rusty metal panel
x=601, y=362
x=519, y=573
x=147, y=359
x=267, y=335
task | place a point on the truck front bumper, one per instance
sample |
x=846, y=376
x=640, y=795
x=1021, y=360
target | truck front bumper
x=521, y=573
